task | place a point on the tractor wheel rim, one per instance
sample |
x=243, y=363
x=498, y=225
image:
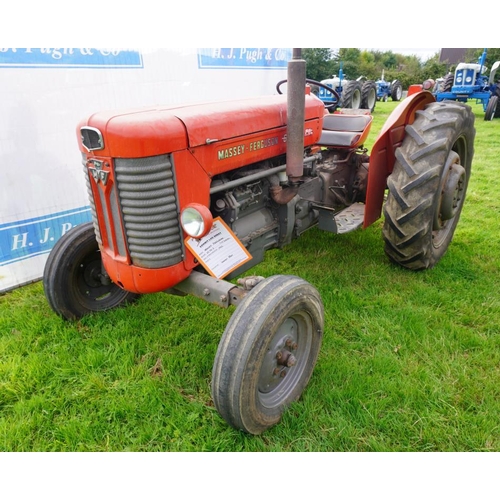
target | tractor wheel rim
x=285, y=360
x=451, y=192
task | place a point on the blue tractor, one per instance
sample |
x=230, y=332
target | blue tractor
x=471, y=83
x=385, y=89
x=353, y=94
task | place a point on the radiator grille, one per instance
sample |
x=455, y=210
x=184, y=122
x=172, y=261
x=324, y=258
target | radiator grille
x=148, y=200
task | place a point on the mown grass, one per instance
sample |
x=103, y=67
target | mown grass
x=409, y=362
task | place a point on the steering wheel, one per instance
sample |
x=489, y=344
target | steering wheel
x=319, y=84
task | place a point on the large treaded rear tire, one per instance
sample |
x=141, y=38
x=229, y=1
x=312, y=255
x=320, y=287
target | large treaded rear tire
x=396, y=90
x=369, y=95
x=351, y=95
x=448, y=82
x=428, y=184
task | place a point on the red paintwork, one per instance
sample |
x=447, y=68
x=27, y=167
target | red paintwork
x=209, y=139
x=140, y=280
x=414, y=89
x=155, y=131
x=120, y=268
x=382, y=155
x=136, y=134
x=244, y=132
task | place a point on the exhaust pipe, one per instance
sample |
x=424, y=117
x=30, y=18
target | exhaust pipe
x=294, y=129
x=295, y=119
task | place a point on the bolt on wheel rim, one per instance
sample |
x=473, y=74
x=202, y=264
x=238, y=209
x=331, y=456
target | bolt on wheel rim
x=285, y=360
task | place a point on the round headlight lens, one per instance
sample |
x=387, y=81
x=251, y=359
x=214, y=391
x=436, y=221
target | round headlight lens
x=196, y=220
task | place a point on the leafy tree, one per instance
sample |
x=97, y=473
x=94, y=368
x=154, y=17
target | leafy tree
x=319, y=63
x=389, y=60
x=434, y=69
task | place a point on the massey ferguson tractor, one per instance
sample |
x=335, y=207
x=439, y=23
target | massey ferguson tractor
x=185, y=199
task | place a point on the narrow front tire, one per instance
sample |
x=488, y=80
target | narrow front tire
x=267, y=353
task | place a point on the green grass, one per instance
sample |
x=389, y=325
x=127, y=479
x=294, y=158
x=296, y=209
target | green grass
x=409, y=361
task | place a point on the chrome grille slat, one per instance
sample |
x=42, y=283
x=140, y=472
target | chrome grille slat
x=155, y=202
x=159, y=234
x=156, y=176
x=141, y=187
x=149, y=210
x=148, y=200
x=146, y=216
x=144, y=195
x=140, y=241
x=141, y=230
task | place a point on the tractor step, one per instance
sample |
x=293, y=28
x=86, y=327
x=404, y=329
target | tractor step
x=345, y=221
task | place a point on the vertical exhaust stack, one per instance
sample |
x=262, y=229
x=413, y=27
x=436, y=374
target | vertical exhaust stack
x=296, y=115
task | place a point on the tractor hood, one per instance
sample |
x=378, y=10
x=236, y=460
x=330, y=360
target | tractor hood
x=228, y=120
x=161, y=130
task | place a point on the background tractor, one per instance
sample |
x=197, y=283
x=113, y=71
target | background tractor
x=352, y=94
x=393, y=89
x=470, y=82
x=187, y=200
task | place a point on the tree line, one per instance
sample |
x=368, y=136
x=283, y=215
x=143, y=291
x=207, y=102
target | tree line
x=322, y=63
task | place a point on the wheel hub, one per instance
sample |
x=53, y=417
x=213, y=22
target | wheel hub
x=452, y=192
x=92, y=273
x=280, y=357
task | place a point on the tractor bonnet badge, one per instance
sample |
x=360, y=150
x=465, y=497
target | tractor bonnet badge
x=97, y=172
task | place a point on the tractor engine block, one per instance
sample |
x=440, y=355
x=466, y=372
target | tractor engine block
x=331, y=179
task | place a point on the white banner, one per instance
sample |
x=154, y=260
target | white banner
x=45, y=92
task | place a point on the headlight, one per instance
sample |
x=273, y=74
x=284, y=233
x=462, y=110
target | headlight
x=196, y=220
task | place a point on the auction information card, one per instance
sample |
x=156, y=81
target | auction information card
x=220, y=252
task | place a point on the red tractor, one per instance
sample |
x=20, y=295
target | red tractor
x=183, y=197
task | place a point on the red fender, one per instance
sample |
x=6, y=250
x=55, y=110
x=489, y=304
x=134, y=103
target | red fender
x=382, y=156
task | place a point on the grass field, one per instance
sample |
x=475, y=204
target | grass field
x=409, y=361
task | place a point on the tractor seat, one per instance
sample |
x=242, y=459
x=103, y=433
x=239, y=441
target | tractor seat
x=345, y=130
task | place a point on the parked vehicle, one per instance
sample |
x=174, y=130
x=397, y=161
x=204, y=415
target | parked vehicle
x=353, y=94
x=185, y=199
x=470, y=82
x=393, y=89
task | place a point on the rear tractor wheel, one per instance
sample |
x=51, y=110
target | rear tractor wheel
x=448, y=82
x=74, y=281
x=369, y=95
x=428, y=184
x=267, y=353
x=351, y=95
x=396, y=90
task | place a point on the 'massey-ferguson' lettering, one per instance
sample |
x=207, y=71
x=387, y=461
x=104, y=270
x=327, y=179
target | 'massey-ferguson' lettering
x=231, y=152
x=264, y=143
x=223, y=154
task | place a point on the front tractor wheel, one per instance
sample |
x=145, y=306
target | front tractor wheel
x=491, y=108
x=428, y=184
x=267, y=353
x=73, y=277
